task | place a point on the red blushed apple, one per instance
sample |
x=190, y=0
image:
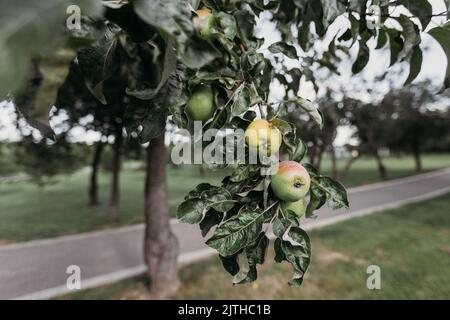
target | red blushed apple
x=291, y=182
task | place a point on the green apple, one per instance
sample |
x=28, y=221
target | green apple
x=200, y=106
x=291, y=182
x=261, y=134
x=203, y=23
x=298, y=207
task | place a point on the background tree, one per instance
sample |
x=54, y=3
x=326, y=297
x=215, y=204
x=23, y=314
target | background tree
x=78, y=103
x=43, y=161
x=370, y=123
x=409, y=108
x=320, y=141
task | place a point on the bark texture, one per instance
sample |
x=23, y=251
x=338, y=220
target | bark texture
x=160, y=244
x=417, y=158
x=382, y=171
x=114, y=201
x=93, y=182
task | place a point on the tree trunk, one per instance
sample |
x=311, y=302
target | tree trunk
x=417, y=159
x=160, y=244
x=114, y=201
x=202, y=170
x=381, y=168
x=93, y=187
x=347, y=167
x=319, y=159
x=312, y=154
x=334, y=170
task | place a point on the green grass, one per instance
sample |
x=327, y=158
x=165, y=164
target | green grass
x=364, y=170
x=411, y=245
x=28, y=212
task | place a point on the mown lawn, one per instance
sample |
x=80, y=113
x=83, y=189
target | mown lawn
x=28, y=212
x=411, y=245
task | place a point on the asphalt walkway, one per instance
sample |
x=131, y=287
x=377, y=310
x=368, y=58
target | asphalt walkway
x=37, y=269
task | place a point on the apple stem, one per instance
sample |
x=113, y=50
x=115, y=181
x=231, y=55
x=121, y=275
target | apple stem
x=261, y=111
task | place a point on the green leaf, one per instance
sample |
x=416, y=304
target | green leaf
x=169, y=65
x=237, y=232
x=198, y=53
x=255, y=254
x=284, y=48
x=227, y=24
x=304, y=36
x=415, y=65
x=98, y=62
x=382, y=39
x=354, y=28
x=171, y=17
x=311, y=109
x=218, y=198
x=152, y=126
x=279, y=254
x=244, y=172
x=211, y=219
x=317, y=198
x=313, y=172
x=419, y=8
x=336, y=193
x=203, y=198
x=447, y=5
x=346, y=36
x=276, y=111
x=191, y=211
x=241, y=102
x=362, y=58
x=296, y=75
x=410, y=34
x=331, y=10
x=53, y=70
x=251, y=60
x=279, y=226
x=197, y=192
x=230, y=264
x=283, y=222
x=298, y=252
x=224, y=75
x=442, y=36
x=284, y=126
x=295, y=146
x=245, y=27
x=395, y=44
x=29, y=29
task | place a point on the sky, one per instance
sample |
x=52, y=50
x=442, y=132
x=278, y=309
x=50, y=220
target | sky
x=433, y=68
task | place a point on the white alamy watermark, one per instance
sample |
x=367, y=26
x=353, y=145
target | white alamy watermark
x=227, y=147
x=374, y=279
x=73, y=282
x=73, y=21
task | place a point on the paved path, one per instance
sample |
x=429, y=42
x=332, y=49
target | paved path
x=37, y=270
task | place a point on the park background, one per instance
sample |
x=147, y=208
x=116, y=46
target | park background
x=92, y=178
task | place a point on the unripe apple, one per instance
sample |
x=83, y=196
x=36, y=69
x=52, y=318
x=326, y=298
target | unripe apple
x=298, y=207
x=262, y=135
x=291, y=182
x=200, y=106
x=203, y=22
